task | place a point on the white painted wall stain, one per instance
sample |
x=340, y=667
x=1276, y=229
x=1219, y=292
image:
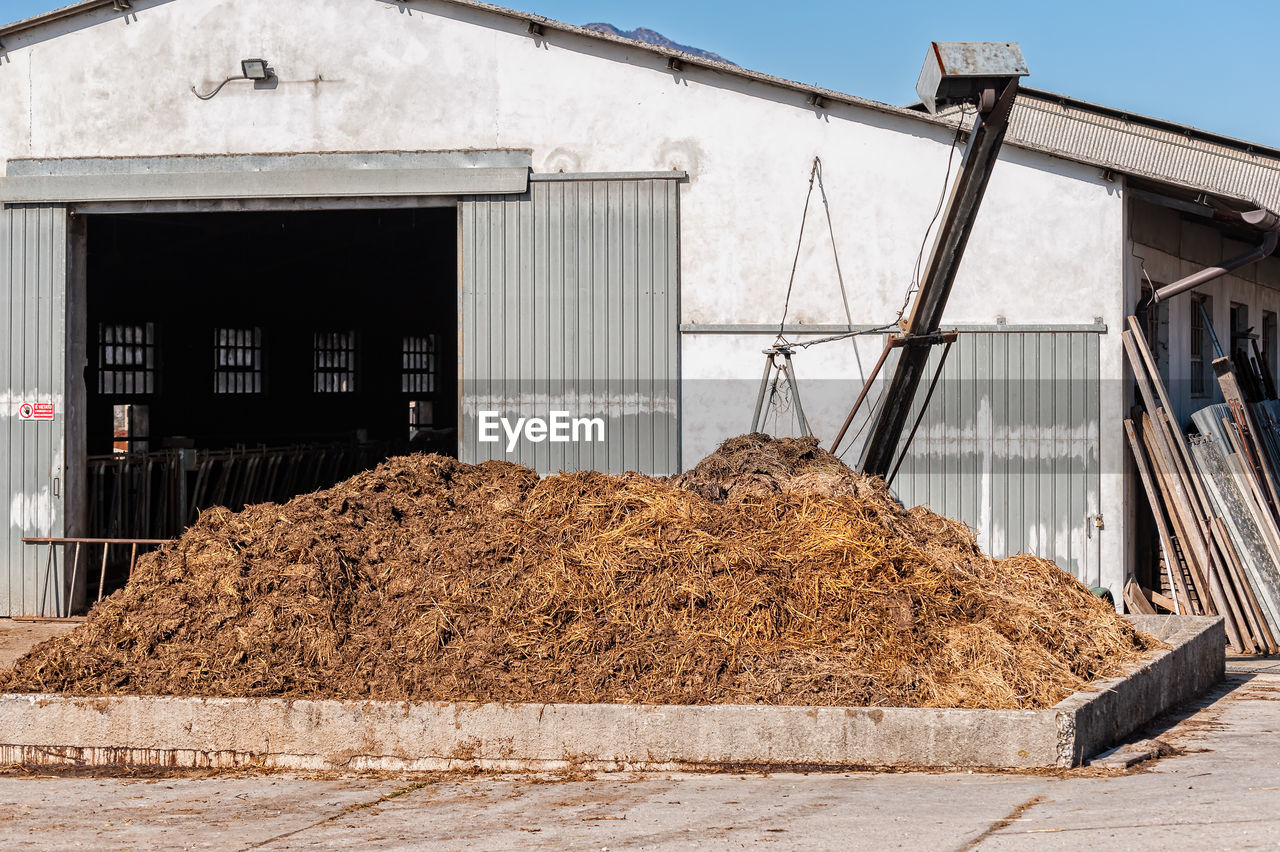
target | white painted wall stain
x=32, y=514
x=10, y=399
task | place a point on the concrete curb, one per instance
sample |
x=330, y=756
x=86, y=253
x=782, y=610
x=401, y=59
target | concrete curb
x=397, y=736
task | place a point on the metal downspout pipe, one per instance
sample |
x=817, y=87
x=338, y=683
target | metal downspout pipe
x=1263, y=219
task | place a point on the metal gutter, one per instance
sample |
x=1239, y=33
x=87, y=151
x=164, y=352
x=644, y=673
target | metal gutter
x=1264, y=220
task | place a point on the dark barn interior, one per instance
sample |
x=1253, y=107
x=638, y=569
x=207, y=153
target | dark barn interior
x=240, y=357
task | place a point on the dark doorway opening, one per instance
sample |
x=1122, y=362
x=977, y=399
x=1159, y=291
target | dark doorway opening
x=242, y=357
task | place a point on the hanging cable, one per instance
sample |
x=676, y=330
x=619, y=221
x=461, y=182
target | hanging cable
x=942, y=198
x=835, y=252
x=815, y=176
x=795, y=262
x=915, y=281
x=218, y=88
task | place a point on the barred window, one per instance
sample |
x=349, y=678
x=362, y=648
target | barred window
x=1199, y=308
x=418, y=364
x=237, y=360
x=334, y=368
x=126, y=358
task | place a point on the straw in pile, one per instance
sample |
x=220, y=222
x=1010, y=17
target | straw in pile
x=771, y=573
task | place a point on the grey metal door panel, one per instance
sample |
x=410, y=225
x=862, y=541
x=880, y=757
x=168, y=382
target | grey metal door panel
x=569, y=303
x=33, y=252
x=1010, y=445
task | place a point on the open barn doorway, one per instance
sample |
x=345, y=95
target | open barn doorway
x=242, y=357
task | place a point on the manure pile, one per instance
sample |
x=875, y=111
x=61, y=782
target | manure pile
x=771, y=573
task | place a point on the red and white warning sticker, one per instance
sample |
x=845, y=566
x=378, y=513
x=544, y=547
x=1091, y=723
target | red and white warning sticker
x=35, y=411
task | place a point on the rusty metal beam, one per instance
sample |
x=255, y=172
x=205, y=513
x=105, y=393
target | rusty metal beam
x=940, y=274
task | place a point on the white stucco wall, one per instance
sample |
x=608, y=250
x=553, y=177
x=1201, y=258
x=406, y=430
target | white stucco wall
x=372, y=75
x=358, y=75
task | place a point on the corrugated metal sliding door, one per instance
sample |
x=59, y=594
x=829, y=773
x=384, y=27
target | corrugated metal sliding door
x=569, y=320
x=1010, y=445
x=33, y=264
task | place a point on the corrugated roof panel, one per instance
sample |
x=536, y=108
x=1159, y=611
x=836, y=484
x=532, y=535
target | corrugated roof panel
x=1136, y=147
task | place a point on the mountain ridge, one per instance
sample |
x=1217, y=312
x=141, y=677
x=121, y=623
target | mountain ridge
x=648, y=36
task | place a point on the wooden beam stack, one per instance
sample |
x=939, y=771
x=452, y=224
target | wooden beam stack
x=1206, y=572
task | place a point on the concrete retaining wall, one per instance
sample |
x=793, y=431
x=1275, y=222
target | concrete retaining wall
x=386, y=735
x=1113, y=709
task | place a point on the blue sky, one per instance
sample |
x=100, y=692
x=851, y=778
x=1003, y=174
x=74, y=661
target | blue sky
x=1209, y=66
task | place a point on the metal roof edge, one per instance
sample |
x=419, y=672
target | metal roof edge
x=59, y=14
x=1160, y=123
x=1130, y=171
x=689, y=60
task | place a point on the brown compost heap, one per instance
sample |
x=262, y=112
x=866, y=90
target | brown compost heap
x=771, y=573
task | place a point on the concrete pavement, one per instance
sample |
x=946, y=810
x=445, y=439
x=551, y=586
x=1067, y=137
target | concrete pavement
x=1222, y=791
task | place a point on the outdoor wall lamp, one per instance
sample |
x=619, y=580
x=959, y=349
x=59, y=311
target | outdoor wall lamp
x=254, y=69
x=250, y=69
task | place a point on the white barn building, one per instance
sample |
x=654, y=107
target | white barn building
x=433, y=209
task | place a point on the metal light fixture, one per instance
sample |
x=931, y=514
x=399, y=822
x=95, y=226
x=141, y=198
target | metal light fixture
x=254, y=69
x=250, y=69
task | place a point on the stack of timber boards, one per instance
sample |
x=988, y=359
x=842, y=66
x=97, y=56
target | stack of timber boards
x=1213, y=528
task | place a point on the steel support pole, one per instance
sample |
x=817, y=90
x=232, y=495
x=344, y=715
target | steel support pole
x=940, y=274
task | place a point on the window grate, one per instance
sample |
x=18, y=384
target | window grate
x=418, y=364
x=335, y=362
x=1199, y=307
x=237, y=360
x=126, y=359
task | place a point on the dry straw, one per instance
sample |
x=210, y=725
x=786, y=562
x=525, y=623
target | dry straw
x=771, y=574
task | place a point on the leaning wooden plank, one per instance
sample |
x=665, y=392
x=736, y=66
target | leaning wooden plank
x=1186, y=467
x=1190, y=499
x=1177, y=584
x=1185, y=522
x=1160, y=600
x=1190, y=575
x=1136, y=599
x=1211, y=578
x=1180, y=500
x=1156, y=390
